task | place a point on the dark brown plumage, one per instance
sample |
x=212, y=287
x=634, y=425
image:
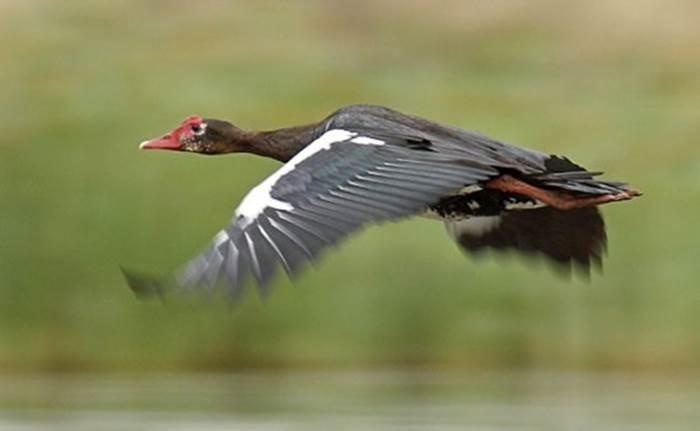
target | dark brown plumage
x=568, y=237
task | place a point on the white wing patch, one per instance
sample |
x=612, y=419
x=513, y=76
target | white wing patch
x=259, y=197
x=469, y=189
x=473, y=226
x=364, y=140
x=513, y=204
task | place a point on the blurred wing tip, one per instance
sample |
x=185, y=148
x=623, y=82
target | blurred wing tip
x=143, y=285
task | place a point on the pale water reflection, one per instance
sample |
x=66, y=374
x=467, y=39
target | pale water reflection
x=386, y=400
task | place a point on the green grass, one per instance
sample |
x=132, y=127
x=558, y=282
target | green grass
x=84, y=82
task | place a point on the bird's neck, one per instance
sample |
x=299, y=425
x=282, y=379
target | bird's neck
x=282, y=144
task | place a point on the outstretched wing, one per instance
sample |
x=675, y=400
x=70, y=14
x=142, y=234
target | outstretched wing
x=337, y=184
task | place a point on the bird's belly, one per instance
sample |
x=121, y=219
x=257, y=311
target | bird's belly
x=475, y=201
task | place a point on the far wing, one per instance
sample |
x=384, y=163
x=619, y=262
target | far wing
x=574, y=238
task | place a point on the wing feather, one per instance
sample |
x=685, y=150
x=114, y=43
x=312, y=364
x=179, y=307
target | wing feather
x=313, y=202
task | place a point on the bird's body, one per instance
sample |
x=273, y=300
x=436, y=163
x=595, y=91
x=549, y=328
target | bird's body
x=365, y=164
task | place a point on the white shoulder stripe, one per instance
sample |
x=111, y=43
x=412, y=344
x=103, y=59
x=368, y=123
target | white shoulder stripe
x=259, y=197
x=364, y=140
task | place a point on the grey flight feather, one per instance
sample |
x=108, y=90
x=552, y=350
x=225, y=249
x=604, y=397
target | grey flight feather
x=552, y=171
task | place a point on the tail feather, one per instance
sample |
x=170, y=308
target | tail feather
x=563, y=174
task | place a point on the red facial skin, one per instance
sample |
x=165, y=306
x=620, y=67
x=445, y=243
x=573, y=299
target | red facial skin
x=172, y=141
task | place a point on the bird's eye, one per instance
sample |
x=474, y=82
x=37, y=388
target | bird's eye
x=198, y=129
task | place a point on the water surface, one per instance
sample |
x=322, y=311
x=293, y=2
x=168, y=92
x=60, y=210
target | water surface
x=378, y=400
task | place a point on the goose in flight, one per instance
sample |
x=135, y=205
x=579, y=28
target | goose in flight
x=368, y=164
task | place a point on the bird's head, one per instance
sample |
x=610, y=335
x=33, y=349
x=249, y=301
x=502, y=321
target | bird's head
x=197, y=135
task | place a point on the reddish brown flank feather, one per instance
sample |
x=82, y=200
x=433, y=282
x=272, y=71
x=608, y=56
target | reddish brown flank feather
x=557, y=199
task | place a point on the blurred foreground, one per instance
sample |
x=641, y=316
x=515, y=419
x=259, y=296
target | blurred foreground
x=615, y=86
x=379, y=400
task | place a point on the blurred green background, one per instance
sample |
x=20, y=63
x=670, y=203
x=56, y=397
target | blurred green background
x=615, y=85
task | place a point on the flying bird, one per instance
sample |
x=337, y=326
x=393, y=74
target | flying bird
x=368, y=164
